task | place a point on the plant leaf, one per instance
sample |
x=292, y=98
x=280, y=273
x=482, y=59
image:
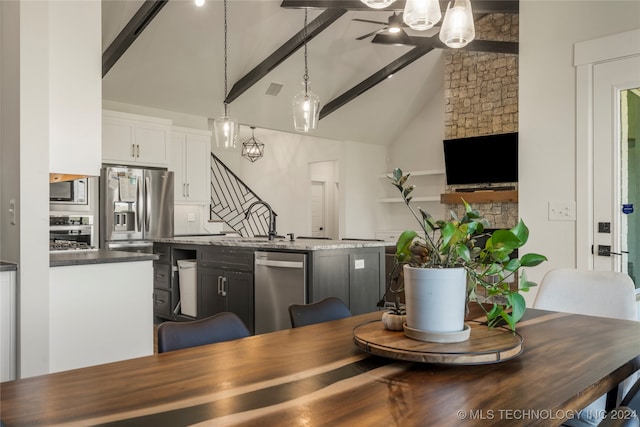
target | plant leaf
x=518, y=307
x=521, y=231
x=531, y=260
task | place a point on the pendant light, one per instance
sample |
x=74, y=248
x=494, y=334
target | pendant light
x=252, y=149
x=306, y=104
x=226, y=129
x=421, y=15
x=377, y=4
x=457, y=27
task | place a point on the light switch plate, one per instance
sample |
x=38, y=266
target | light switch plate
x=12, y=212
x=562, y=211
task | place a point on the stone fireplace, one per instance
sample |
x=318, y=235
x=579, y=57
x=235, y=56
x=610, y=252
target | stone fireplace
x=481, y=98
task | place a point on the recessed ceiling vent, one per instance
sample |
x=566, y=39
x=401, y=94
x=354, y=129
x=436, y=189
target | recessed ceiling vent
x=274, y=89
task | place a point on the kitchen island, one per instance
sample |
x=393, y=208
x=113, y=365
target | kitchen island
x=100, y=307
x=352, y=270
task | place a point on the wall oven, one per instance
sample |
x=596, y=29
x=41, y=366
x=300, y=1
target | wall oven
x=71, y=232
x=69, y=192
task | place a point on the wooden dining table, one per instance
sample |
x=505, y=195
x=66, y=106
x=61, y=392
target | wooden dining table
x=316, y=376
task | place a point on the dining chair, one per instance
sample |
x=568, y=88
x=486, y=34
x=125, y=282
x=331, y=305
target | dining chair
x=220, y=327
x=626, y=414
x=330, y=308
x=592, y=293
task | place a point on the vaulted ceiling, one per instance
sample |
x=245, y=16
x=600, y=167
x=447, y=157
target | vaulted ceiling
x=171, y=57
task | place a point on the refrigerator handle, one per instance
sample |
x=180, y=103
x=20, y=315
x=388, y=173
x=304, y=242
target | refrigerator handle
x=147, y=205
x=139, y=205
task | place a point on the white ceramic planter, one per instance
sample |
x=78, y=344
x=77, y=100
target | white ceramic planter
x=435, y=299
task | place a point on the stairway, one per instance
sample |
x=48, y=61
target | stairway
x=230, y=198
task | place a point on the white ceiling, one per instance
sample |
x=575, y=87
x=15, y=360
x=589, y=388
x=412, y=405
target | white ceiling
x=177, y=65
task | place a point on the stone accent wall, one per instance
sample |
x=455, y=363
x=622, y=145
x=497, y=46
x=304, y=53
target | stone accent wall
x=481, y=98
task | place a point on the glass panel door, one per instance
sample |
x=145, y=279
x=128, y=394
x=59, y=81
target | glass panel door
x=630, y=184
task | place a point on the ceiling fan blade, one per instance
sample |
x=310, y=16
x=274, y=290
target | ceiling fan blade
x=371, y=22
x=371, y=33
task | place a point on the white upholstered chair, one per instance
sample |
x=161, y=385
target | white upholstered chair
x=592, y=293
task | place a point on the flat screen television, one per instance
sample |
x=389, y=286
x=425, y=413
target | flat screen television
x=486, y=160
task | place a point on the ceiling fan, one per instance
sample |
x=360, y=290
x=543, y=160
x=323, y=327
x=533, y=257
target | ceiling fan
x=393, y=27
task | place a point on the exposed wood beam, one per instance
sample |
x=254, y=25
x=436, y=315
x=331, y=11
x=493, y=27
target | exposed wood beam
x=475, y=46
x=478, y=6
x=314, y=28
x=130, y=32
x=374, y=79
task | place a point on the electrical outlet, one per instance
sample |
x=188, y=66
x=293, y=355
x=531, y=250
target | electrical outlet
x=191, y=217
x=562, y=211
x=359, y=264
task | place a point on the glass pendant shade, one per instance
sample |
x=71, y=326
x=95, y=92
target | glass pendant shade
x=421, y=15
x=306, y=110
x=457, y=27
x=226, y=130
x=377, y=4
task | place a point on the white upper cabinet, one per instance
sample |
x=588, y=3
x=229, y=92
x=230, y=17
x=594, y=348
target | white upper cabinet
x=75, y=87
x=189, y=159
x=132, y=139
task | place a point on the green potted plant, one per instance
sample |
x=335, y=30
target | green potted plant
x=446, y=248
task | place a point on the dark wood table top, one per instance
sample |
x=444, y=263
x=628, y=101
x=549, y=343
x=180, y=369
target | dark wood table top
x=315, y=376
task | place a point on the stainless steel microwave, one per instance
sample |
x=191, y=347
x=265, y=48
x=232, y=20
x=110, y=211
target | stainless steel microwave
x=69, y=192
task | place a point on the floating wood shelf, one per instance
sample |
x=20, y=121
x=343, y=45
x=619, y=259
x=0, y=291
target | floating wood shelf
x=487, y=196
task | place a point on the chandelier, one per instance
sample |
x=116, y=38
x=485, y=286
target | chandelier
x=457, y=26
x=252, y=149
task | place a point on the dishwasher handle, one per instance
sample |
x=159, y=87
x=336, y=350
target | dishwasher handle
x=283, y=264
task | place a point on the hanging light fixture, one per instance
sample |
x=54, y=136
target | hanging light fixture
x=225, y=128
x=377, y=4
x=421, y=15
x=306, y=104
x=252, y=149
x=457, y=27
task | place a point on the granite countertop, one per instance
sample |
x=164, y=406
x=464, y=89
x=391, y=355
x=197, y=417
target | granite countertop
x=282, y=244
x=100, y=256
x=8, y=266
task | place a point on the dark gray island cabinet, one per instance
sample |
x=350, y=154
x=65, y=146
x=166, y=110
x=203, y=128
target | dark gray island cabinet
x=225, y=274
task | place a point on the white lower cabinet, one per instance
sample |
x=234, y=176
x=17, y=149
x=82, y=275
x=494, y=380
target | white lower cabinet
x=7, y=325
x=100, y=313
x=132, y=139
x=189, y=159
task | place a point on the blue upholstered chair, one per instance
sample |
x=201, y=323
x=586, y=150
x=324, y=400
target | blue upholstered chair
x=330, y=308
x=220, y=327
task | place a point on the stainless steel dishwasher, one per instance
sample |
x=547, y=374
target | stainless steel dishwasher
x=280, y=280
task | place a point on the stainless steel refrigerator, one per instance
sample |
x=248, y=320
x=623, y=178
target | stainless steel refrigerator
x=136, y=206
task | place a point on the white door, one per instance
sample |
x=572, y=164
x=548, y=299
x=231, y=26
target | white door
x=615, y=172
x=318, y=227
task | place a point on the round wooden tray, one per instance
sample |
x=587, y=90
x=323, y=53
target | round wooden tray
x=484, y=346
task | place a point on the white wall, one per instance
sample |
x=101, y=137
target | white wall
x=9, y=127
x=75, y=87
x=547, y=108
x=33, y=221
x=419, y=147
x=361, y=189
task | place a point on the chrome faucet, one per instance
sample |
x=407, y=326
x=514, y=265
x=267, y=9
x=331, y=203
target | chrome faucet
x=272, y=217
